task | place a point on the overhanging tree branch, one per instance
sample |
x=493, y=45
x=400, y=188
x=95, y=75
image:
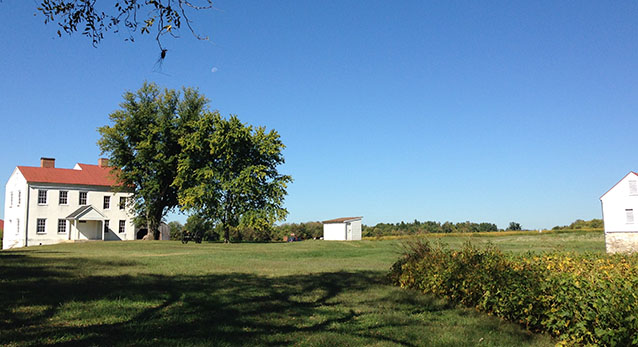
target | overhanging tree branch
x=163, y=17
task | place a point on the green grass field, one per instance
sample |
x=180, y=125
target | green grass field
x=312, y=293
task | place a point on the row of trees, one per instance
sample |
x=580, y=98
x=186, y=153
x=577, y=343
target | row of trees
x=582, y=224
x=172, y=152
x=312, y=230
x=246, y=232
x=417, y=227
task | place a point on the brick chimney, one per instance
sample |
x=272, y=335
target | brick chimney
x=103, y=162
x=47, y=162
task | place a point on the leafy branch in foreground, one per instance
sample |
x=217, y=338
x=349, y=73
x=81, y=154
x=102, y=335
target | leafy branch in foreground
x=153, y=17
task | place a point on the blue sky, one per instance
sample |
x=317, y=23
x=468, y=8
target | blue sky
x=448, y=110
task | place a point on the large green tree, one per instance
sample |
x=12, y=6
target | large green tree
x=228, y=171
x=143, y=146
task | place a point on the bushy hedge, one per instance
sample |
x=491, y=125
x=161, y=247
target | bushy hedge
x=580, y=299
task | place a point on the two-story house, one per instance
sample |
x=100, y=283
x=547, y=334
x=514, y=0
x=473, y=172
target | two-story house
x=47, y=205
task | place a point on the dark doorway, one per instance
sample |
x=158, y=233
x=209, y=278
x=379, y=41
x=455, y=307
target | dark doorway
x=141, y=233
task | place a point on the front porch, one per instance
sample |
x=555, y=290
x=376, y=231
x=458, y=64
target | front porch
x=87, y=223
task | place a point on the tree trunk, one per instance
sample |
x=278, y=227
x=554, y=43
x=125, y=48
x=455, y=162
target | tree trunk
x=152, y=227
x=149, y=233
x=226, y=233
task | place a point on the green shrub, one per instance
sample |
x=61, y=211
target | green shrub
x=581, y=299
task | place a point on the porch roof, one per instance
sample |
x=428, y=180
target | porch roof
x=87, y=212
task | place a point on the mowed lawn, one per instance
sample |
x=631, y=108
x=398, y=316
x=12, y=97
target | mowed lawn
x=313, y=293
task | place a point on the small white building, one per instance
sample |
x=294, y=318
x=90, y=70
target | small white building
x=619, y=206
x=46, y=205
x=342, y=229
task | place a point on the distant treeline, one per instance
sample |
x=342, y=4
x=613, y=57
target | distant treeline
x=313, y=230
x=417, y=227
x=582, y=224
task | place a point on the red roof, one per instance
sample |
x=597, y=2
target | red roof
x=90, y=175
x=1, y=224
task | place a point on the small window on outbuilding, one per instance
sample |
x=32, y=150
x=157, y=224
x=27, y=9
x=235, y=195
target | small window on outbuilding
x=633, y=187
x=630, y=215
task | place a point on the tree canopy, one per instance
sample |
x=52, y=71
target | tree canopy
x=514, y=226
x=143, y=143
x=153, y=17
x=171, y=151
x=228, y=172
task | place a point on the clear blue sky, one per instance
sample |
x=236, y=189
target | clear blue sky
x=447, y=110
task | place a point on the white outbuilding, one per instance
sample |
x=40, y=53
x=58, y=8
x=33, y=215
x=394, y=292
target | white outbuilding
x=619, y=205
x=342, y=229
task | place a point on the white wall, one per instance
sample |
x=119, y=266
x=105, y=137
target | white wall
x=15, y=213
x=342, y=231
x=356, y=230
x=334, y=231
x=615, y=204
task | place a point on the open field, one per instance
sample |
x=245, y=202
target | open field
x=304, y=293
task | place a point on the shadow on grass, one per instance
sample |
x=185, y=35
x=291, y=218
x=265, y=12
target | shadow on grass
x=44, y=303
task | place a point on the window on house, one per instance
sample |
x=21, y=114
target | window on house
x=11, y=199
x=61, y=226
x=42, y=197
x=107, y=202
x=17, y=226
x=633, y=187
x=122, y=226
x=19, y=197
x=41, y=226
x=64, y=197
x=630, y=215
x=106, y=226
x=83, y=198
x=122, y=202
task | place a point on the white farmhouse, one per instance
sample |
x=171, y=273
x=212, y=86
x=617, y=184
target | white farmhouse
x=342, y=229
x=620, y=205
x=46, y=205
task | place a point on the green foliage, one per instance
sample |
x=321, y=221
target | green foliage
x=303, y=231
x=143, y=145
x=165, y=293
x=170, y=151
x=514, y=226
x=587, y=299
x=175, y=229
x=255, y=227
x=580, y=224
x=416, y=227
x=199, y=224
x=228, y=172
